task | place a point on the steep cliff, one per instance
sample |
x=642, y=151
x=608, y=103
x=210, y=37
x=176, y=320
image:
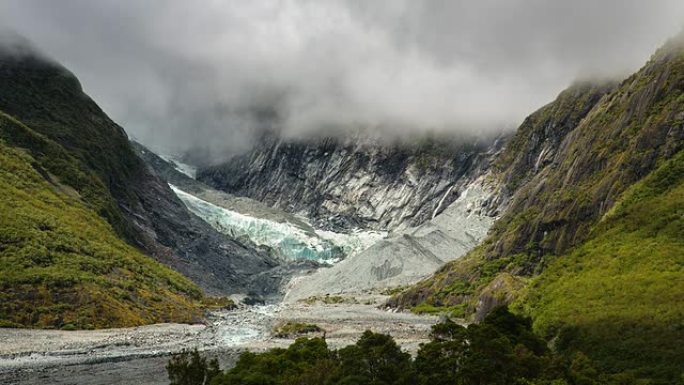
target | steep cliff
x=342, y=184
x=539, y=137
x=141, y=208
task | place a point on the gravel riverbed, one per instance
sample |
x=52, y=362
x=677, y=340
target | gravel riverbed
x=138, y=355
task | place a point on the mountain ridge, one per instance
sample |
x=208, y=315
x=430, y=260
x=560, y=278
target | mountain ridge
x=550, y=235
x=346, y=184
x=61, y=264
x=145, y=211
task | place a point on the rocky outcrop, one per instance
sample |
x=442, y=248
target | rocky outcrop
x=342, y=184
x=539, y=137
x=501, y=291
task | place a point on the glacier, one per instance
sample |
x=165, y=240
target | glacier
x=286, y=240
x=184, y=168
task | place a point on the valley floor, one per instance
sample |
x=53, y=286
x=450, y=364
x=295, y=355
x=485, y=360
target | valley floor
x=139, y=355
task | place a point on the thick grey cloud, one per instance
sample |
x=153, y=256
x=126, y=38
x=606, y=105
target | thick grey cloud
x=179, y=74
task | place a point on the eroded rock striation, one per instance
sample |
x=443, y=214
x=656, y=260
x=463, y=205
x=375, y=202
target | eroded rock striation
x=343, y=184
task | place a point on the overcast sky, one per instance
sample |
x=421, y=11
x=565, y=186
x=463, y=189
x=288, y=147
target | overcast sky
x=181, y=73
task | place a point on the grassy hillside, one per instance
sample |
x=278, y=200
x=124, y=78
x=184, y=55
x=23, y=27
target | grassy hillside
x=619, y=297
x=48, y=98
x=61, y=264
x=53, y=158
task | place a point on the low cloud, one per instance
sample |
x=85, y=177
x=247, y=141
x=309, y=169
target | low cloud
x=179, y=75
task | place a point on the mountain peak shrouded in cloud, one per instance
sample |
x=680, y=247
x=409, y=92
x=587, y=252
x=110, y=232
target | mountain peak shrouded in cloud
x=15, y=46
x=178, y=76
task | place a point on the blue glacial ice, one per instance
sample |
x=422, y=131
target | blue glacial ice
x=285, y=239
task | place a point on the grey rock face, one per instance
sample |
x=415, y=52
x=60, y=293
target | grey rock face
x=411, y=255
x=346, y=184
x=251, y=270
x=436, y=197
x=185, y=242
x=539, y=137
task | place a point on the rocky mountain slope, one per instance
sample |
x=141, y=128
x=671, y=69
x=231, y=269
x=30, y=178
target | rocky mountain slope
x=70, y=137
x=343, y=184
x=435, y=196
x=289, y=237
x=603, y=186
x=61, y=264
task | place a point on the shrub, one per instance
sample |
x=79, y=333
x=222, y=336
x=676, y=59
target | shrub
x=190, y=368
x=293, y=329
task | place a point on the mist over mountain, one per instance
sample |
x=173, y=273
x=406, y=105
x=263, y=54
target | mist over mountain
x=181, y=76
x=305, y=192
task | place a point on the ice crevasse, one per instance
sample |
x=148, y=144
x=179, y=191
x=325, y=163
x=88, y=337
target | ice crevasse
x=286, y=240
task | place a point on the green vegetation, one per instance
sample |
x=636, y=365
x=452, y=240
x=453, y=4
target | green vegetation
x=562, y=115
x=84, y=148
x=74, y=176
x=190, y=368
x=451, y=285
x=456, y=311
x=621, y=139
x=66, y=173
x=591, y=243
x=295, y=329
x=218, y=303
x=63, y=266
x=393, y=290
x=615, y=297
x=500, y=350
x=618, y=297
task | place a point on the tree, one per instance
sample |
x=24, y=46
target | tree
x=581, y=370
x=440, y=361
x=377, y=359
x=190, y=368
x=500, y=350
x=305, y=362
